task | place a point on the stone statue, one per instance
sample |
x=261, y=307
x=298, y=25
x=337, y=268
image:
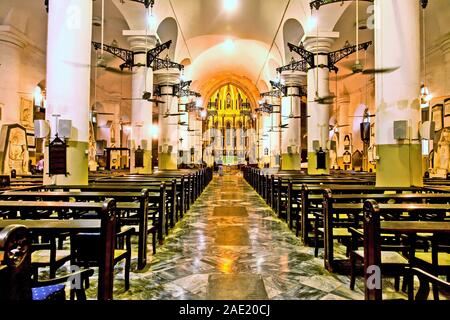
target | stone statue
x=17, y=152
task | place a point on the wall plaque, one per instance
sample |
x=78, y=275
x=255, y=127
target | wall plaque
x=57, y=157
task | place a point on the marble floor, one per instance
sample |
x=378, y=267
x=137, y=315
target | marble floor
x=231, y=246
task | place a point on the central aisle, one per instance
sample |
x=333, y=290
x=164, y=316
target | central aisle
x=231, y=246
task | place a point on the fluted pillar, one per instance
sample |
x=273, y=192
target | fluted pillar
x=141, y=110
x=397, y=39
x=318, y=112
x=68, y=83
x=168, y=143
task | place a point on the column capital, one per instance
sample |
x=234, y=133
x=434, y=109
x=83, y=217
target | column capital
x=321, y=42
x=139, y=40
x=293, y=78
x=12, y=35
x=167, y=77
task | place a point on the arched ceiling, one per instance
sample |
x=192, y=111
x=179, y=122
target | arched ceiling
x=203, y=28
x=249, y=42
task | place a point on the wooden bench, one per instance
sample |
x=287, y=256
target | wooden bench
x=157, y=200
x=106, y=226
x=373, y=227
x=309, y=198
x=414, y=210
x=136, y=213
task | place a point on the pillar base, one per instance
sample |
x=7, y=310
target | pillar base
x=77, y=166
x=291, y=162
x=399, y=165
x=167, y=161
x=147, y=169
x=312, y=165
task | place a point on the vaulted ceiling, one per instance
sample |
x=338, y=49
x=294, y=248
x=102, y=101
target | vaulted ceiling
x=244, y=45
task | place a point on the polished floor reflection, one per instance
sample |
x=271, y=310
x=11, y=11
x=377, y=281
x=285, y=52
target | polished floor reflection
x=231, y=246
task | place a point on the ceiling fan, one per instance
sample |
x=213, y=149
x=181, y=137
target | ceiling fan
x=167, y=115
x=366, y=115
x=101, y=62
x=357, y=67
x=146, y=96
x=333, y=128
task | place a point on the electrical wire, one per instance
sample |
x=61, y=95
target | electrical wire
x=181, y=30
x=273, y=42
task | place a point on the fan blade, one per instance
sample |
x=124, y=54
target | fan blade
x=385, y=70
x=103, y=113
x=366, y=116
x=325, y=100
x=343, y=77
x=156, y=101
x=118, y=71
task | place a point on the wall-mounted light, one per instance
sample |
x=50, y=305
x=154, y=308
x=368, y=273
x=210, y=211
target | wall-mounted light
x=154, y=131
x=38, y=96
x=199, y=103
x=425, y=96
x=311, y=24
x=152, y=22
x=127, y=129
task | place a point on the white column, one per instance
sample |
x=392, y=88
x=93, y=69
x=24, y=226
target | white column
x=168, y=127
x=68, y=83
x=275, y=135
x=291, y=137
x=397, y=39
x=318, y=85
x=185, y=144
x=141, y=110
x=197, y=139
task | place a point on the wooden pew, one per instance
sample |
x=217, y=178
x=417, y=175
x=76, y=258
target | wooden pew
x=309, y=199
x=139, y=202
x=373, y=227
x=157, y=200
x=416, y=211
x=106, y=226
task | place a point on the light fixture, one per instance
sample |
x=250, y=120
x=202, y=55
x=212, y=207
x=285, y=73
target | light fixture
x=277, y=78
x=151, y=21
x=38, y=96
x=154, y=131
x=203, y=114
x=182, y=76
x=127, y=129
x=425, y=96
x=312, y=23
x=229, y=45
x=230, y=5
